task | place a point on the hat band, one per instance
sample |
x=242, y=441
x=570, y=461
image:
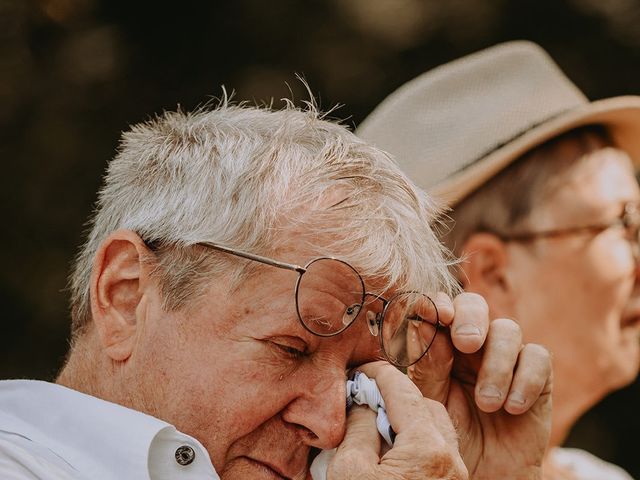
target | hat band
x=512, y=139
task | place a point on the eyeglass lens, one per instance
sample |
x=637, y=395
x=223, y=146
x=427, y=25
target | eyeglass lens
x=330, y=295
x=409, y=327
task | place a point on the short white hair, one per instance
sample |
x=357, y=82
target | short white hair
x=247, y=177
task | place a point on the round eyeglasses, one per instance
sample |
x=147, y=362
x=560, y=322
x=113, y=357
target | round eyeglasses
x=629, y=220
x=330, y=295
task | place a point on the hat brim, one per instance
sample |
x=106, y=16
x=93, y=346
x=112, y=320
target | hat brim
x=621, y=116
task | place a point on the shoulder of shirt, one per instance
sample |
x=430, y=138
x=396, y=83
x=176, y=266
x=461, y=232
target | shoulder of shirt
x=21, y=460
x=587, y=466
x=52, y=424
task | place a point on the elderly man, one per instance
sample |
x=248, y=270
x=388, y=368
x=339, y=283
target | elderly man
x=545, y=209
x=239, y=264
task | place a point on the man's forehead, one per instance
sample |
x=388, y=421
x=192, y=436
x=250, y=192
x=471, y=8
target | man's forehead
x=596, y=187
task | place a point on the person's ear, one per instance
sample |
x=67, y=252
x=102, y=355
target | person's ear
x=119, y=280
x=484, y=270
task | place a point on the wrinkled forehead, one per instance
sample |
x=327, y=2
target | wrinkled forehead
x=383, y=231
x=338, y=223
x=596, y=184
x=599, y=167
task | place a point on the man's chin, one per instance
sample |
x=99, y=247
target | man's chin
x=243, y=468
x=627, y=361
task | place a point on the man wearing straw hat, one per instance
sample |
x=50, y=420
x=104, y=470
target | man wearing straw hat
x=544, y=203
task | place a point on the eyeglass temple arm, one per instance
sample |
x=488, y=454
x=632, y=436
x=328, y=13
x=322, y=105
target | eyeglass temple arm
x=629, y=209
x=553, y=233
x=524, y=237
x=256, y=258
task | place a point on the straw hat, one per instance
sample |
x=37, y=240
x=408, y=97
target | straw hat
x=454, y=127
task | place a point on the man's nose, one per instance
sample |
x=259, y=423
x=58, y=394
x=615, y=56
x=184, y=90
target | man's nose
x=320, y=410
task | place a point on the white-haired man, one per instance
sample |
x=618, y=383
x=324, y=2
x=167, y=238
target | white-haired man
x=240, y=262
x=546, y=213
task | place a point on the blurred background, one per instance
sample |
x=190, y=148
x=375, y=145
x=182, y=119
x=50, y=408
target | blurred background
x=74, y=73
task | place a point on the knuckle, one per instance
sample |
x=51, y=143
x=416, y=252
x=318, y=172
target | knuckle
x=380, y=370
x=442, y=462
x=507, y=327
x=348, y=464
x=474, y=300
x=386, y=369
x=344, y=457
x=434, y=406
x=443, y=301
x=537, y=350
x=460, y=471
x=540, y=357
x=445, y=312
x=443, y=297
x=374, y=366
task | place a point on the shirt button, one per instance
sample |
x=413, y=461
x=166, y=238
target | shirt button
x=185, y=455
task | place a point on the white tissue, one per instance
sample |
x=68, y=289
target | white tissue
x=363, y=391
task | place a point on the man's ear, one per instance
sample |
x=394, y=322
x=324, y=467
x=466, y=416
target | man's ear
x=485, y=264
x=119, y=279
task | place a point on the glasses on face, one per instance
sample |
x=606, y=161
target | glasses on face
x=629, y=219
x=330, y=295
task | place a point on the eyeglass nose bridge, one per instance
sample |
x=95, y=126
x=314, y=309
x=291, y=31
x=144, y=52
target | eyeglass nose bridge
x=373, y=322
x=374, y=319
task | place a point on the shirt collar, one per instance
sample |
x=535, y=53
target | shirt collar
x=98, y=438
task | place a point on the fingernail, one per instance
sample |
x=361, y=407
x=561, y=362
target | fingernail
x=468, y=330
x=516, y=398
x=491, y=392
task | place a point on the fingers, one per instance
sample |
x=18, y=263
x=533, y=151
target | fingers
x=399, y=393
x=362, y=435
x=468, y=318
x=432, y=373
x=504, y=341
x=531, y=380
x=405, y=405
x=470, y=322
x=444, y=304
x=511, y=375
x=425, y=444
x=358, y=454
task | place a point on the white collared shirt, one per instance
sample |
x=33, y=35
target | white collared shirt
x=48, y=431
x=585, y=466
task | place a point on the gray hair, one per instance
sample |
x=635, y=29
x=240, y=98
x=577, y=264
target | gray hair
x=503, y=204
x=250, y=178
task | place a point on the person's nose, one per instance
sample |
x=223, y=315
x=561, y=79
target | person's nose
x=320, y=409
x=634, y=241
